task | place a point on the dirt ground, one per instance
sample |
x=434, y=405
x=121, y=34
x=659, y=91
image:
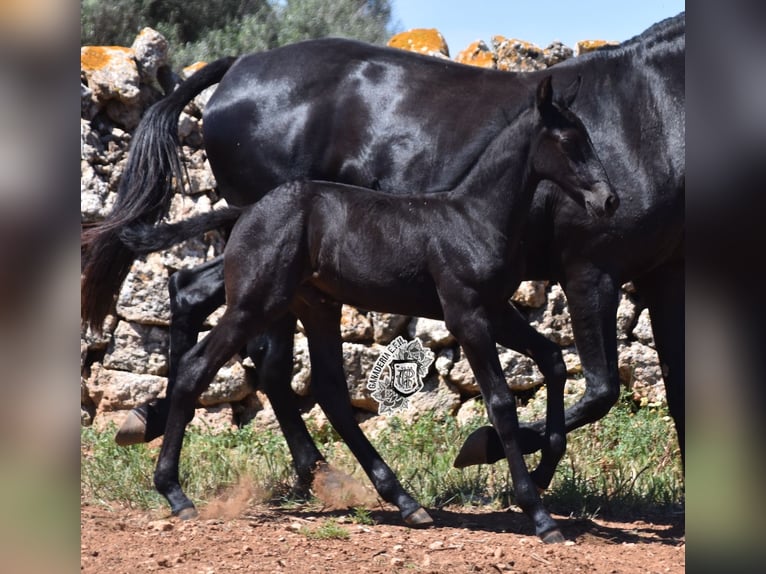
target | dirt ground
x=235, y=535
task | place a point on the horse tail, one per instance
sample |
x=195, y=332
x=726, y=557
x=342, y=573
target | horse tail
x=144, y=238
x=152, y=174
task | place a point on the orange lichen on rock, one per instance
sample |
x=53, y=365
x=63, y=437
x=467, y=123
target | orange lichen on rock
x=477, y=54
x=585, y=46
x=98, y=57
x=192, y=69
x=423, y=40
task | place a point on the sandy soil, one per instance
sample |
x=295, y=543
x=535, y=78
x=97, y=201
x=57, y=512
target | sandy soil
x=233, y=534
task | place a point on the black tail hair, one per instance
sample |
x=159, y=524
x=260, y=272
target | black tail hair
x=152, y=173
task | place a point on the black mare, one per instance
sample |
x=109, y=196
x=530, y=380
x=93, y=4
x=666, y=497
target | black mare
x=353, y=113
x=308, y=246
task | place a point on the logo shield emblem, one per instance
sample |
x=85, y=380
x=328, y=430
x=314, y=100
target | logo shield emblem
x=406, y=380
x=398, y=374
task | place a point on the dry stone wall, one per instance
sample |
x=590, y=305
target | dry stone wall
x=127, y=364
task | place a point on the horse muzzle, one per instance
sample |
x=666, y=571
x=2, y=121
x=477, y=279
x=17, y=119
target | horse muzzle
x=602, y=201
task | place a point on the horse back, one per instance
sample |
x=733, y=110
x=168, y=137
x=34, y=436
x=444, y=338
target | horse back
x=354, y=113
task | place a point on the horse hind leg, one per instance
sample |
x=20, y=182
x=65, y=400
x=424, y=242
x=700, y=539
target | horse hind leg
x=194, y=295
x=273, y=354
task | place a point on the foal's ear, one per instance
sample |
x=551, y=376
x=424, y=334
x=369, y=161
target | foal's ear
x=544, y=98
x=571, y=91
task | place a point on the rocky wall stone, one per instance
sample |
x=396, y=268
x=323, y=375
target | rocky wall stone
x=427, y=41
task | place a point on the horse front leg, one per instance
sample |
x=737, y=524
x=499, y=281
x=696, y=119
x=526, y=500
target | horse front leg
x=483, y=446
x=471, y=326
x=663, y=292
x=592, y=298
x=194, y=295
x=322, y=324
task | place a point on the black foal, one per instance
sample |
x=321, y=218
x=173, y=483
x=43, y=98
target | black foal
x=451, y=256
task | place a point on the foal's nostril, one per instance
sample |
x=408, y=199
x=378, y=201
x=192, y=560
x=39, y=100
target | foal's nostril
x=611, y=203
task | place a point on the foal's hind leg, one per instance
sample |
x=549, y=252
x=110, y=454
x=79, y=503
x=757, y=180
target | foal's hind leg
x=328, y=380
x=273, y=353
x=195, y=372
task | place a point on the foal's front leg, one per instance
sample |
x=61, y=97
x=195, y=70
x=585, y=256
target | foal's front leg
x=483, y=445
x=470, y=324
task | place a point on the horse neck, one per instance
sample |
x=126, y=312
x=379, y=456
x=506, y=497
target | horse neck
x=502, y=181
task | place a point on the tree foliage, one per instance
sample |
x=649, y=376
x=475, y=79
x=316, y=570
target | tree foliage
x=207, y=29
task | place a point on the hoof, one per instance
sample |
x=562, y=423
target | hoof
x=132, y=431
x=482, y=446
x=553, y=537
x=187, y=513
x=419, y=519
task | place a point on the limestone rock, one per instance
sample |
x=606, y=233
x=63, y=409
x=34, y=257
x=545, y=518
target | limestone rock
x=432, y=332
x=517, y=55
x=585, y=46
x=387, y=326
x=150, y=49
x=355, y=326
x=229, y=385
x=137, y=348
x=530, y=294
x=477, y=54
x=422, y=40
x=144, y=295
x=116, y=390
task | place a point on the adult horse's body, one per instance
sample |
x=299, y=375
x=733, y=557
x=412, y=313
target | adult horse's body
x=375, y=117
x=307, y=246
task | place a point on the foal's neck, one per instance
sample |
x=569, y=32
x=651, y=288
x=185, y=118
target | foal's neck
x=503, y=178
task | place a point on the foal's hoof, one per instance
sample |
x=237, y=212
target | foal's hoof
x=132, y=431
x=553, y=537
x=187, y=513
x=419, y=519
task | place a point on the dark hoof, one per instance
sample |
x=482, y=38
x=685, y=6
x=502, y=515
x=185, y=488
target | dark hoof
x=132, y=431
x=187, y=513
x=419, y=519
x=553, y=537
x=482, y=446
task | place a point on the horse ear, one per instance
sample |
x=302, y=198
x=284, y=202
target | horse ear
x=571, y=91
x=544, y=98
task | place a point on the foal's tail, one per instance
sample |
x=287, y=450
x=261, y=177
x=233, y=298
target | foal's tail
x=152, y=173
x=144, y=238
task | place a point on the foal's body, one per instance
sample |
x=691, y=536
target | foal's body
x=452, y=256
